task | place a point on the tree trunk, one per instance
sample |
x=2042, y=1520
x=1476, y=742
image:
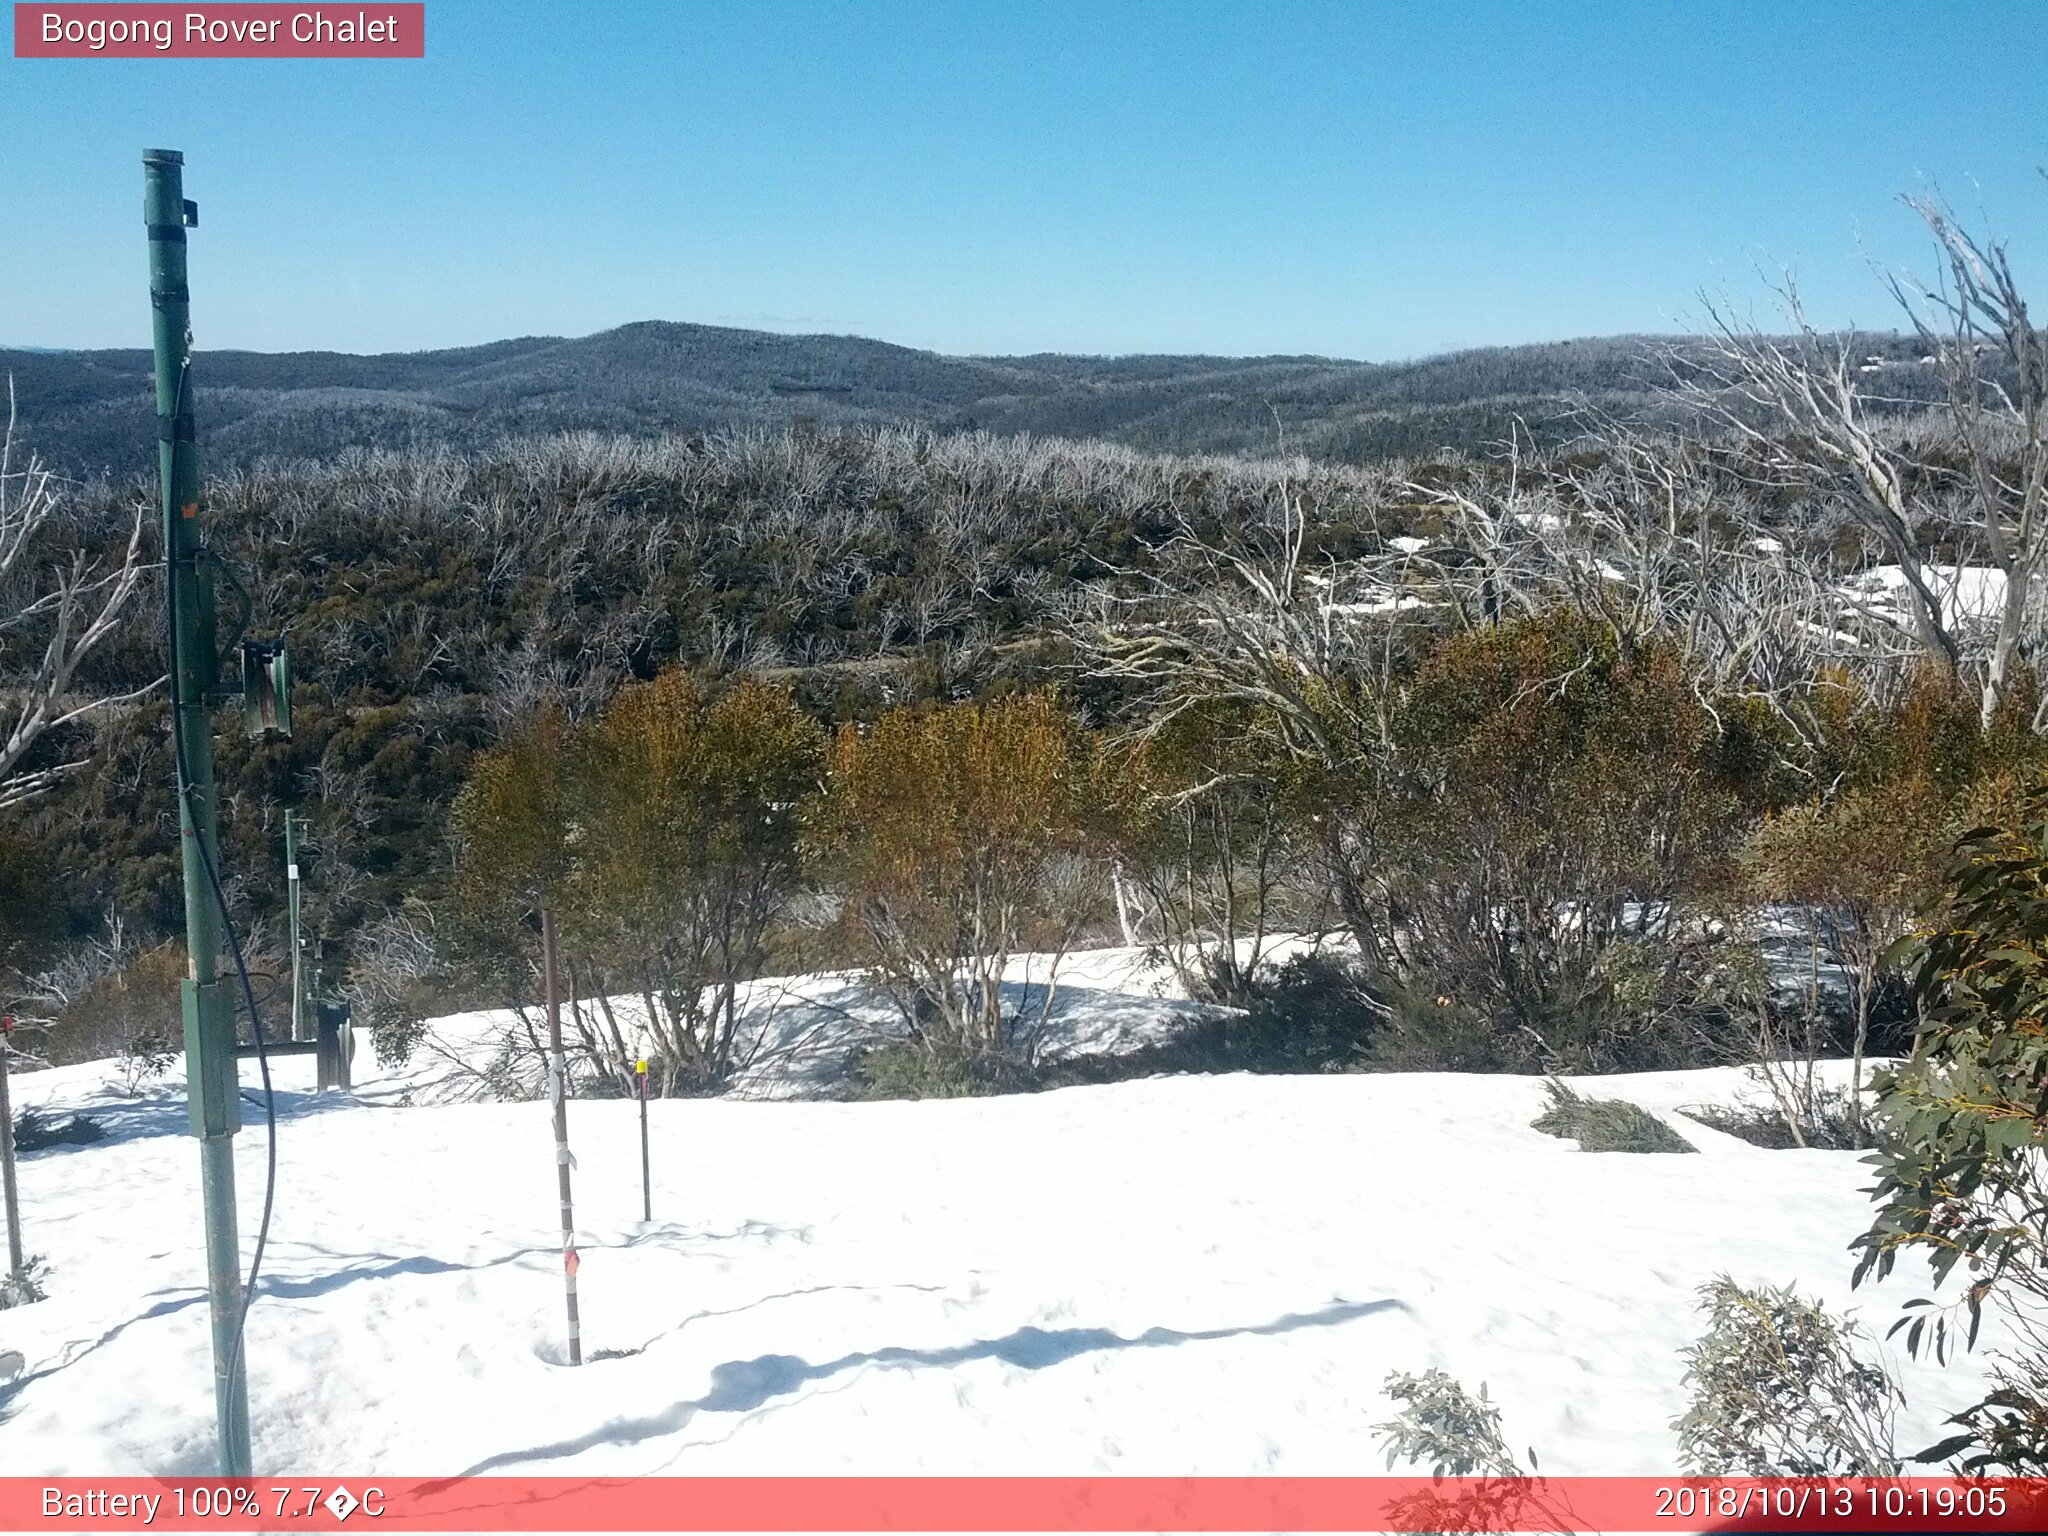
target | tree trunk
x=1866, y=978
x=1123, y=904
x=2006, y=648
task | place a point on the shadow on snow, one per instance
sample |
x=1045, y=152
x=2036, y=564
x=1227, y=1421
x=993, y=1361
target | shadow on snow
x=742, y=1386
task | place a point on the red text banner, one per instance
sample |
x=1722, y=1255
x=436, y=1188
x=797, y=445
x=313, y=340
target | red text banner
x=1016, y=1504
x=220, y=31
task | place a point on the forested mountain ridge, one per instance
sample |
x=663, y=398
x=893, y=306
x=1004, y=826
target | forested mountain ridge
x=93, y=410
x=445, y=566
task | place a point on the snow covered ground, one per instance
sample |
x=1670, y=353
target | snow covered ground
x=1177, y=1275
x=797, y=1031
x=1968, y=594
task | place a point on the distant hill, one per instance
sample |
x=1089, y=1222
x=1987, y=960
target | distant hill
x=86, y=411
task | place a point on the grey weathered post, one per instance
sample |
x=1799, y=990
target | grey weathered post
x=10, y=1196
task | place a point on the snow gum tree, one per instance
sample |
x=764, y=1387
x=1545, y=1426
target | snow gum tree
x=1866, y=861
x=511, y=824
x=685, y=857
x=959, y=837
x=663, y=833
x=1208, y=818
x=1777, y=1389
x=1562, y=806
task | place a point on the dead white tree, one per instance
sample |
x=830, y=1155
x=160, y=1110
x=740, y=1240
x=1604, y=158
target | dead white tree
x=1649, y=535
x=1816, y=417
x=1993, y=364
x=1256, y=619
x=57, y=605
x=1801, y=407
x=1254, y=616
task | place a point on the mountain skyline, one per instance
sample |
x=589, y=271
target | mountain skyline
x=92, y=410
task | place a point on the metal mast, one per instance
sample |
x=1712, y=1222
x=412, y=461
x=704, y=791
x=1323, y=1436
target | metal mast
x=211, y=1077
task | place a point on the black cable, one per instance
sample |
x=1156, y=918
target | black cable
x=234, y=940
x=269, y=1101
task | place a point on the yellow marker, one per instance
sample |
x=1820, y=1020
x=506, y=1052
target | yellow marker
x=640, y=1067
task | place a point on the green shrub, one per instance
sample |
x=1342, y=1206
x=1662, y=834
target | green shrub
x=1428, y=1030
x=1660, y=1001
x=1456, y=1435
x=1443, y=1426
x=1559, y=808
x=1828, y=1123
x=128, y=1011
x=956, y=838
x=1962, y=1127
x=1606, y=1125
x=909, y=1071
x=1778, y=1391
x=25, y=1285
x=1206, y=811
x=683, y=861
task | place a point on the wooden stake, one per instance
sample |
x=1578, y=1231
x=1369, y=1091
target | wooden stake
x=558, y=1073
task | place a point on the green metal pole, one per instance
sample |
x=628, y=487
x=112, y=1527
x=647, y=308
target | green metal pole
x=210, y=1074
x=300, y=1030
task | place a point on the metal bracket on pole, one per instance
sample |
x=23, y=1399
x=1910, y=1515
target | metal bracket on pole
x=214, y=1086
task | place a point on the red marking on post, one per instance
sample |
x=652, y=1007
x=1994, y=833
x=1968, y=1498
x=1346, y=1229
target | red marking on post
x=571, y=1260
x=235, y=31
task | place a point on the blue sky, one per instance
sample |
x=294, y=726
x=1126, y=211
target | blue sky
x=1360, y=180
